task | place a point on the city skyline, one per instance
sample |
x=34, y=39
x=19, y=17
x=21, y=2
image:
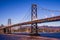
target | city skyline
x=17, y=9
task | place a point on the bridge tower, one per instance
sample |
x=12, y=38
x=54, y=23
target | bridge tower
x=8, y=30
x=34, y=29
x=9, y=21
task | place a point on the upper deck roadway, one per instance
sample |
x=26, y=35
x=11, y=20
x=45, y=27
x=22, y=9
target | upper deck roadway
x=51, y=19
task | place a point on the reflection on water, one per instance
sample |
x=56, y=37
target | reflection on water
x=24, y=37
x=43, y=34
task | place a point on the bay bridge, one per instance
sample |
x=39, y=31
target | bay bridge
x=33, y=23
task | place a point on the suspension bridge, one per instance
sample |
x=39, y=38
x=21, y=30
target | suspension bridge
x=33, y=23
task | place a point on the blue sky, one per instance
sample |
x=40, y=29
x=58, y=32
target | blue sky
x=20, y=10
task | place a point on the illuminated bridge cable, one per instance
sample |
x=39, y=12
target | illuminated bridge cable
x=26, y=16
x=51, y=12
x=49, y=9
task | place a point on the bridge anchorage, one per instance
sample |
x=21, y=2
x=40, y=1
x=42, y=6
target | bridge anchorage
x=34, y=28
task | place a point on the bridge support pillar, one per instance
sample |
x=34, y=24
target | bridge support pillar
x=7, y=30
x=34, y=29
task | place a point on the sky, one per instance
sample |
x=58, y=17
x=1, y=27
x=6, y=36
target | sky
x=20, y=10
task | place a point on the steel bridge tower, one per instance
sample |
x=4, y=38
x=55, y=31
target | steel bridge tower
x=9, y=21
x=8, y=30
x=34, y=29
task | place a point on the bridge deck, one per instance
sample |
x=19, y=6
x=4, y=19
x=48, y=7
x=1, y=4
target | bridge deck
x=57, y=18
